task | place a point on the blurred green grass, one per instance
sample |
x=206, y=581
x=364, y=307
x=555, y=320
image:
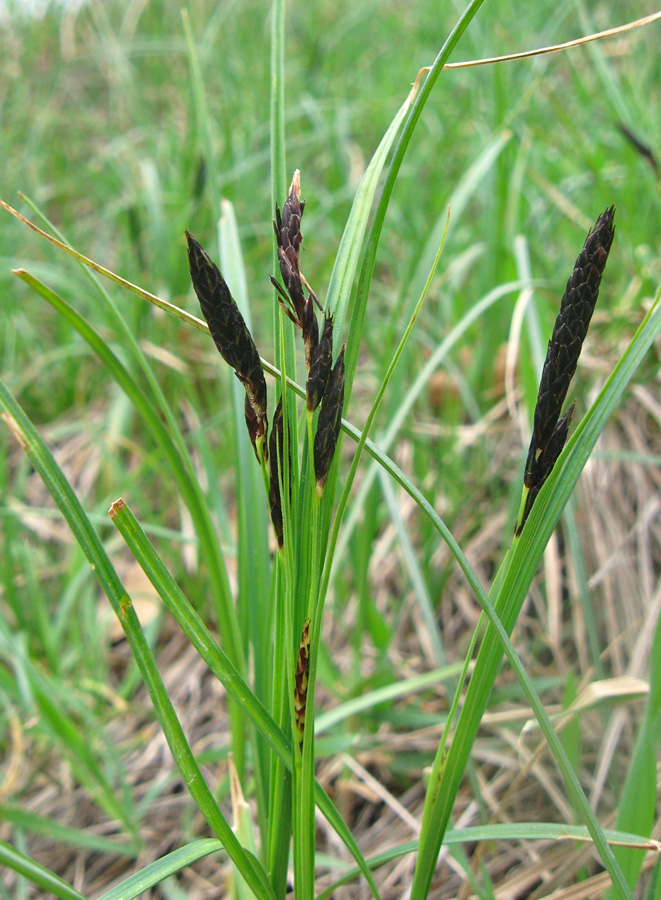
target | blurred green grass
x=97, y=126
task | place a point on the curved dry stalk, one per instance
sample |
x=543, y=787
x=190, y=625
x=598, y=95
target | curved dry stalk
x=555, y=48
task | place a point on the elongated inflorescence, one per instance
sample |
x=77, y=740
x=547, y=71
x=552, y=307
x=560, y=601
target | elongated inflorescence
x=550, y=426
x=325, y=383
x=232, y=338
x=276, y=452
x=330, y=421
x=301, y=310
x=321, y=361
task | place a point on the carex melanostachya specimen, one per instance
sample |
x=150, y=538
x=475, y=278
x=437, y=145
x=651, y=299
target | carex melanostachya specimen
x=325, y=383
x=299, y=308
x=550, y=424
x=232, y=338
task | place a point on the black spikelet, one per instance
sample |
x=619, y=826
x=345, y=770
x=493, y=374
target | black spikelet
x=276, y=451
x=550, y=427
x=328, y=425
x=321, y=361
x=232, y=338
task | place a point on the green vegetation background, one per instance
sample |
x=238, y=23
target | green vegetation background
x=97, y=126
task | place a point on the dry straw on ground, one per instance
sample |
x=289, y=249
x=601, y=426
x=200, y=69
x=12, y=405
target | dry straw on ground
x=619, y=516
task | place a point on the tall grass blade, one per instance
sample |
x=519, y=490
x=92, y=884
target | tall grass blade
x=202, y=115
x=162, y=868
x=284, y=355
x=165, y=305
x=189, y=487
x=353, y=236
x=637, y=803
x=254, y=563
x=65, y=498
x=219, y=663
x=512, y=587
x=374, y=236
x=36, y=824
x=37, y=873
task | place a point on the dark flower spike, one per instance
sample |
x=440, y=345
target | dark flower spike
x=276, y=452
x=319, y=368
x=328, y=425
x=275, y=499
x=232, y=338
x=310, y=329
x=543, y=465
x=292, y=280
x=571, y=326
x=290, y=223
x=301, y=682
x=289, y=236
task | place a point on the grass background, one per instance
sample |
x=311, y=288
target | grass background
x=98, y=128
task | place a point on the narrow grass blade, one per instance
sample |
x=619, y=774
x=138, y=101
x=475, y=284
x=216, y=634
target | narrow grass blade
x=285, y=358
x=351, y=243
x=218, y=662
x=512, y=831
x=279, y=179
x=398, y=417
x=202, y=115
x=36, y=824
x=37, y=873
x=465, y=189
x=367, y=268
x=405, y=688
x=170, y=308
x=511, y=590
x=412, y=566
x=637, y=803
x=188, y=485
x=194, y=628
x=254, y=562
x=591, y=630
x=161, y=869
x=64, y=496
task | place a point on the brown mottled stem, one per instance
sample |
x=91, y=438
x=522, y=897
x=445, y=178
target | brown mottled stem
x=301, y=681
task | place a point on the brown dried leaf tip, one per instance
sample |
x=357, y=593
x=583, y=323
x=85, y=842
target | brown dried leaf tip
x=232, y=338
x=330, y=421
x=550, y=426
x=301, y=684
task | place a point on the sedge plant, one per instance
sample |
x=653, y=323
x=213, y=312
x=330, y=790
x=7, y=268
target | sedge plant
x=265, y=644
